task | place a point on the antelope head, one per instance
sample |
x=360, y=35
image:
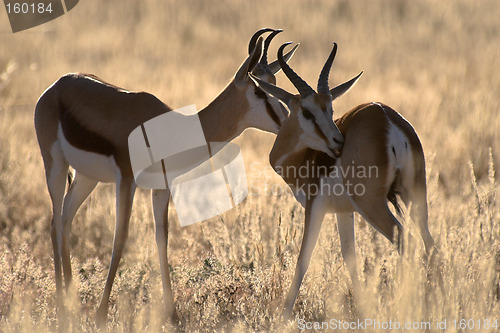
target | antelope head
x=311, y=112
x=263, y=111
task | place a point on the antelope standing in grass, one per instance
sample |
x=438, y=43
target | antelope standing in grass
x=371, y=137
x=84, y=122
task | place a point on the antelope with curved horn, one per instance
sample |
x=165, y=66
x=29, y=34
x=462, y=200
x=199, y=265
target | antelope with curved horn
x=84, y=122
x=374, y=137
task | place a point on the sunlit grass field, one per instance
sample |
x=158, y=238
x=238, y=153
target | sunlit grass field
x=436, y=62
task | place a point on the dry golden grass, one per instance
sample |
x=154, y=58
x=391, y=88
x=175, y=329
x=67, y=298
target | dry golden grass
x=434, y=61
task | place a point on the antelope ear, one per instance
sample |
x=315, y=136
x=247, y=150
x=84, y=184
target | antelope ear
x=344, y=87
x=275, y=66
x=271, y=89
x=241, y=77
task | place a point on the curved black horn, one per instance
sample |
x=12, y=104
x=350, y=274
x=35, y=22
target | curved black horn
x=301, y=85
x=267, y=42
x=325, y=72
x=255, y=37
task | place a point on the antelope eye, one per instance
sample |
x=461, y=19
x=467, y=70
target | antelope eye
x=307, y=114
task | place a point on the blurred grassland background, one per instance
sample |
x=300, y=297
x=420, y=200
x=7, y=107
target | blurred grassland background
x=436, y=62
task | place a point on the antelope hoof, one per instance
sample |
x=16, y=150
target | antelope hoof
x=101, y=318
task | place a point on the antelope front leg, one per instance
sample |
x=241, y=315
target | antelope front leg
x=314, y=214
x=125, y=189
x=345, y=222
x=160, y=207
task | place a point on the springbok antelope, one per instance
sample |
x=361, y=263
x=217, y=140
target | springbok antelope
x=84, y=122
x=374, y=137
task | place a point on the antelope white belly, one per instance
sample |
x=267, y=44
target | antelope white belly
x=96, y=166
x=335, y=192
